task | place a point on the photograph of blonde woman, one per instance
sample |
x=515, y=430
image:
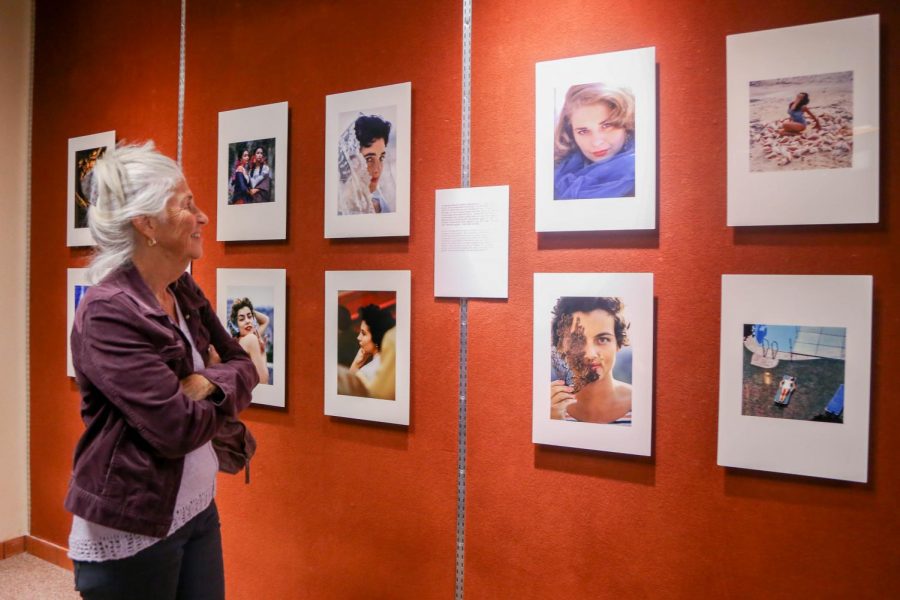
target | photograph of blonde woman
x=161, y=383
x=594, y=147
x=590, y=361
x=249, y=327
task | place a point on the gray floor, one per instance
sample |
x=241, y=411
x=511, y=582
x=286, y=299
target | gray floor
x=24, y=576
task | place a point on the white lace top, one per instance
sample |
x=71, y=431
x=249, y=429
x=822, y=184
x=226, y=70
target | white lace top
x=92, y=542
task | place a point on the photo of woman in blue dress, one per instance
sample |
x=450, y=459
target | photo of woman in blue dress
x=594, y=149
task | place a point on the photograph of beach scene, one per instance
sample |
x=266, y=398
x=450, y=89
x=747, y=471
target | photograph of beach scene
x=801, y=123
x=794, y=372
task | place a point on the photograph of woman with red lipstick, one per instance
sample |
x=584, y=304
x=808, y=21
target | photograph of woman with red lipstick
x=590, y=361
x=249, y=326
x=252, y=307
x=594, y=145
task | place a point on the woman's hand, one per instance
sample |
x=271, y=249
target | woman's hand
x=197, y=387
x=362, y=357
x=214, y=358
x=560, y=397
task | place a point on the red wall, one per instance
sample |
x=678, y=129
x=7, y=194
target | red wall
x=344, y=509
x=97, y=66
x=545, y=522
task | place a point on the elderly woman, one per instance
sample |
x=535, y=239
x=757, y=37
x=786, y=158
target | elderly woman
x=159, y=379
x=587, y=335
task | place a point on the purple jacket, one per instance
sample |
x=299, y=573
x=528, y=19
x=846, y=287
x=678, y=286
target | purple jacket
x=129, y=358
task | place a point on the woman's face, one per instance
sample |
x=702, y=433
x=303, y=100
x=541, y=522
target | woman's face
x=245, y=321
x=597, y=139
x=374, y=156
x=365, y=339
x=245, y=157
x=179, y=231
x=600, y=348
x=259, y=156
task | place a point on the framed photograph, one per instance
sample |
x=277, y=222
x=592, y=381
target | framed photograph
x=83, y=153
x=367, y=158
x=794, y=374
x=252, y=180
x=803, y=124
x=76, y=286
x=367, y=333
x=593, y=361
x=595, y=142
x=251, y=305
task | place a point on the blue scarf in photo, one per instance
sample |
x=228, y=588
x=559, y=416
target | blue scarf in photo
x=577, y=178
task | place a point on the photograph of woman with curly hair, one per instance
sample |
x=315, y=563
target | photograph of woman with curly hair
x=589, y=381
x=248, y=326
x=251, y=305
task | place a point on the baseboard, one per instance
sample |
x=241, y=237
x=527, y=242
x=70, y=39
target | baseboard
x=12, y=547
x=48, y=551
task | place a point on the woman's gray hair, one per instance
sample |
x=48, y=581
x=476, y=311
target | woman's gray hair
x=134, y=180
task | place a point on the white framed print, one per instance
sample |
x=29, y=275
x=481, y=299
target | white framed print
x=83, y=153
x=367, y=345
x=795, y=373
x=803, y=124
x=251, y=305
x=77, y=284
x=252, y=173
x=367, y=162
x=595, y=142
x=593, y=361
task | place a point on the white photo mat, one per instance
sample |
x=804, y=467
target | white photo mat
x=74, y=278
x=633, y=69
x=636, y=291
x=356, y=407
x=81, y=236
x=260, y=221
x=832, y=450
x=471, y=242
x=398, y=98
x=813, y=195
x=266, y=289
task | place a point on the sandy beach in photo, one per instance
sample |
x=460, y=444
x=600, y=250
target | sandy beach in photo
x=831, y=101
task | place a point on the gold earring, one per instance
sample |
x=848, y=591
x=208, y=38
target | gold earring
x=151, y=242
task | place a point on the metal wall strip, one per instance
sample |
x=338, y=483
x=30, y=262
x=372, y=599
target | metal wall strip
x=463, y=312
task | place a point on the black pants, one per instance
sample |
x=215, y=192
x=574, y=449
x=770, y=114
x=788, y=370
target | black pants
x=185, y=565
